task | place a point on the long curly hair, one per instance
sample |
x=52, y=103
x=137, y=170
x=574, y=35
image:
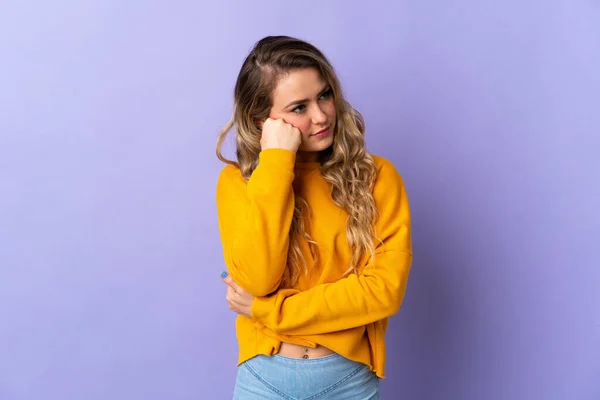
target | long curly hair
x=346, y=165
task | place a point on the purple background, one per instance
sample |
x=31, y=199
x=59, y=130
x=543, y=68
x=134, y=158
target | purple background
x=109, y=246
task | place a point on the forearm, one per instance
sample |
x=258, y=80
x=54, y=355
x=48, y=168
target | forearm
x=354, y=301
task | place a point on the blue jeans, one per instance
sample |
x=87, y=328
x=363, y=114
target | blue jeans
x=330, y=377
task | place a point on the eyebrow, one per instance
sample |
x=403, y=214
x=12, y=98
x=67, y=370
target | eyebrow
x=296, y=102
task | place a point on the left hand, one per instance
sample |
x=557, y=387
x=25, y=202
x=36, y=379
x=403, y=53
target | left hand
x=239, y=300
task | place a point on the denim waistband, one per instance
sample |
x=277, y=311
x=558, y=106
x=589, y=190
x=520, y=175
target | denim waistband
x=281, y=377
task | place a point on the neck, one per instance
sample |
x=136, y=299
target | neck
x=307, y=156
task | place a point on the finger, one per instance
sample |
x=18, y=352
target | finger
x=231, y=294
x=233, y=284
x=225, y=277
x=236, y=288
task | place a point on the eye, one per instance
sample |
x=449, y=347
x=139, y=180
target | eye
x=299, y=109
x=326, y=94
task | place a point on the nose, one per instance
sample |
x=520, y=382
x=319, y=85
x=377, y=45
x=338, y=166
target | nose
x=318, y=116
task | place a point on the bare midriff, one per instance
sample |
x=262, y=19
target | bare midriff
x=295, y=351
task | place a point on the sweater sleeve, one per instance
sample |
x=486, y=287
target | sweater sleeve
x=255, y=219
x=356, y=300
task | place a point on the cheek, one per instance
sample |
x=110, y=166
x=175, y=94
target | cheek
x=330, y=110
x=297, y=121
x=302, y=123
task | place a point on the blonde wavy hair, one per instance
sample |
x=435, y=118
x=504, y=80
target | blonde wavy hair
x=346, y=165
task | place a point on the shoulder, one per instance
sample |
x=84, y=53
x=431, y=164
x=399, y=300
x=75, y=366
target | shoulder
x=390, y=196
x=230, y=177
x=230, y=172
x=387, y=174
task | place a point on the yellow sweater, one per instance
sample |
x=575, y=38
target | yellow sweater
x=348, y=314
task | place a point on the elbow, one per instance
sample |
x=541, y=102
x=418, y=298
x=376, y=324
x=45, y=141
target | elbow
x=257, y=285
x=395, y=299
x=392, y=300
x=261, y=287
x=389, y=306
x=394, y=305
x=256, y=277
x=394, y=291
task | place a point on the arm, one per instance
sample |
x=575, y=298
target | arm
x=254, y=220
x=356, y=300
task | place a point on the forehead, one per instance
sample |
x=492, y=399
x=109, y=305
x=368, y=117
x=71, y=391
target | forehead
x=298, y=84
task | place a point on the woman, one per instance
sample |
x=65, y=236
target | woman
x=315, y=232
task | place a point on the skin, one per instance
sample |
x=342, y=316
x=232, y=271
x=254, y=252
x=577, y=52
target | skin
x=238, y=299
x=303, y=100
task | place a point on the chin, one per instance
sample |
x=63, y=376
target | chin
x=318, y=146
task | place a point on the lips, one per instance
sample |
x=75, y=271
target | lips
x=324, y=130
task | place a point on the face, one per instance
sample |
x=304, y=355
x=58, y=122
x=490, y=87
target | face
x=303, y=99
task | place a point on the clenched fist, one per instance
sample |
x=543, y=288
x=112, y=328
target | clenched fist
x=278, y=134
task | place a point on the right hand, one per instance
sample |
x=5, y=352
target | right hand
x=278, y=134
